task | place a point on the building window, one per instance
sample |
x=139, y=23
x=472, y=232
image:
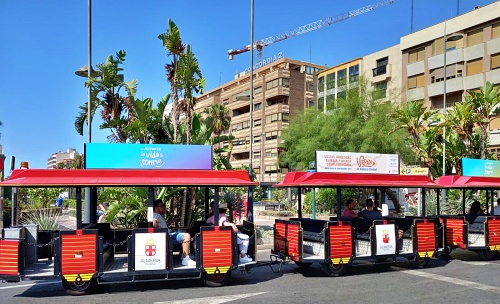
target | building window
x=341, y=95
x=475, y=37
x=474, y=67
x=272, y=152
x=257, y=106
x=330, y=81
x=277, y=82
x=257, y=122
x=495, y=61
x=321, y=101
x=330, y=102
x=416, y=55
x=225, y=101
x=257, y=90
x=381, y=68
x=354, y=73
x=495, y=31
x=256, y=155
x=321, y=84
x=416, y=81
x=452, y=71
x=273, y=135
x=341, y=77
x=309, y=87
x=310, y=104
x=380, y=90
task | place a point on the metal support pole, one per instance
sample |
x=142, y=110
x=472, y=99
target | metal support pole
x=250, y=173
x=216, y=206
x=444, y=113
x=88, y=193
x=313, y=205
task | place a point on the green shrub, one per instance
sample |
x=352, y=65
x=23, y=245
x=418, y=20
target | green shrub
x=46, y=219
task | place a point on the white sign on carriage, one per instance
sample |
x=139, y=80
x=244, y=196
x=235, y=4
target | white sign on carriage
x=350, y=162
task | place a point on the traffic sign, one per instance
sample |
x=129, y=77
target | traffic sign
x=415, y=171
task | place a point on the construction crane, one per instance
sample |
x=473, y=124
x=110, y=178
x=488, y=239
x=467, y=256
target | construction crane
x=307, y=28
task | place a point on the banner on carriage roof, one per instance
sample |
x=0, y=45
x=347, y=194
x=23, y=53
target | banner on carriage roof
x=349, y=162
x=150, y=251
x=147, y=156
x=480, y=167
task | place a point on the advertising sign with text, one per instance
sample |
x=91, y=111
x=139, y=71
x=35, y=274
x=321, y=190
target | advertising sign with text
x=349, y=162
x=386, y=239
x=147, y=156
x=150, y=251
x=480, y=167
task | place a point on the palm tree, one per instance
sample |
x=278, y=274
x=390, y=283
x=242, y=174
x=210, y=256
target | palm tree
x=146, y=123
x=172, y=43
x=189, y=79
x=485, y=104
x=461, y=119
x=414, y=117
x=115, y=109
x=221, y=118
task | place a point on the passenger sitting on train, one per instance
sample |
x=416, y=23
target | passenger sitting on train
x=475, y=208
x=178, y=236
x=350, y=206
x=243, y=239
x=369, y=213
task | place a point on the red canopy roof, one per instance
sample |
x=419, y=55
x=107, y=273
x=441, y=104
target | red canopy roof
x=322, y=179
x=481, y=182
x=126, y=177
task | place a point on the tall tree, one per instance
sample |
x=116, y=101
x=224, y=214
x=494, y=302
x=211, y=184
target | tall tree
x=189, y=80
x=220, y=117
x=172, y=43
x=485, y=104
x=115, y=108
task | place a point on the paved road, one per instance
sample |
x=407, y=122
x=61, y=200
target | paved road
x=462, y=279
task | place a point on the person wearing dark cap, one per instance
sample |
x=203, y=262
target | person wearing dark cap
x=243, y=239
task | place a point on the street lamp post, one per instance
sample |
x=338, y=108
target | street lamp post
x=452, y=37
x=87, y=72
x=250, y=173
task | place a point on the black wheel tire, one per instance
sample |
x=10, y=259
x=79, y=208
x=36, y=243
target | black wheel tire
x=303, y=265
x=333, y=270
x=486, y=254
x=419, y=262
x=79, y=288
x=216, y=280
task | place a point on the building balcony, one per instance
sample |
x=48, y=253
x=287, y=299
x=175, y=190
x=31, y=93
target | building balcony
x=474, y=52
x=415, y=68
x=277, y=92
x=452, y=57
x=493, y=76
x=452, y=85
x=473, y=81
x=382, y=73
x=415, y=94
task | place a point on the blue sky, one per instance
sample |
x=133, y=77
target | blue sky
x=42, y=43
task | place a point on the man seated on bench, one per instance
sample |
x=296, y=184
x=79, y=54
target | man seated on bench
x=178, y=236
x=243, y=239
x=369, y=213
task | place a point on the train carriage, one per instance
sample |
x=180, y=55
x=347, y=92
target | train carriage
x=342, y=242
x=474, y=232
x=88, y=255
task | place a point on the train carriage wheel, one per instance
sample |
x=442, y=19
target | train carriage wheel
x=216, y=280
x=486, y=254
x=419, y=262
x=333, y=270
x=79, y=288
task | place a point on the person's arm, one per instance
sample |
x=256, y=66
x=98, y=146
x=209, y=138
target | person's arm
x=226, y=223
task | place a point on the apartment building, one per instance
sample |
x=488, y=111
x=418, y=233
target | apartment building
x=281, y=88
x=471, y=54
x=381, y=71
x=59, y=157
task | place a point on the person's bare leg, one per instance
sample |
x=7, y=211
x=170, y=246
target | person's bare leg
x=186, y=243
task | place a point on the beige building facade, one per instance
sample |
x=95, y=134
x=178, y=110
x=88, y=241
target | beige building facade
x=281, y=89
x=472, y=58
